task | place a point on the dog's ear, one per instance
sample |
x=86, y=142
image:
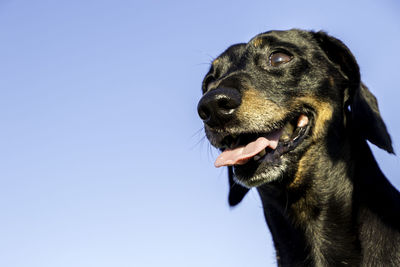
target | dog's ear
x=367, y=119
x=340, y=54
x=365, y=115
x=236, y=191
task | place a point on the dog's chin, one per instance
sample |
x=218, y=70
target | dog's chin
x=254, y=173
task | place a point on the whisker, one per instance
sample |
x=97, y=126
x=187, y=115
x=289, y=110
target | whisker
x=200, y=142
x=197, y=132
x=201, y=64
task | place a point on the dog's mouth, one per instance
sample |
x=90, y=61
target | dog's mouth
x=242, y=149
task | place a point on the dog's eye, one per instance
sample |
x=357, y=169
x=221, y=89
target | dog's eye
x=278, y=58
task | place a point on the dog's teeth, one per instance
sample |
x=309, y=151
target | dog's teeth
x=287, y=132
x=260, y=155
x=285, y=137
x=296, y=134
x=303, y=121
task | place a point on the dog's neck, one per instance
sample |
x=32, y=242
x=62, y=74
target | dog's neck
x=319, y=226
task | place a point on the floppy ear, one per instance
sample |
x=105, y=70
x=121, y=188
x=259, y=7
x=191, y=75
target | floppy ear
x=236, y=191
x=365, y=116
x=367, y=119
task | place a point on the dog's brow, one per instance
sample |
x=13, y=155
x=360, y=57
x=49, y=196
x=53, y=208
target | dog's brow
x=257, y=42
x=274, y=43
x=215, y=61
x=268, y=39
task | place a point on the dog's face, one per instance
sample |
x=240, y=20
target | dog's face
x=269, y=101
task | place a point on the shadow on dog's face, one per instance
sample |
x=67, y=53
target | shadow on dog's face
x=268, y=102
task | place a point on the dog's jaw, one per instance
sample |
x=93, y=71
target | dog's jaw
x=254, y=174
x=269, y=164
x=264, y=173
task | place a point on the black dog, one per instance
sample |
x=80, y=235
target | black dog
x=291, y=116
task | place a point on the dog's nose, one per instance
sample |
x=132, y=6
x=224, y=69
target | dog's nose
x=218, y=106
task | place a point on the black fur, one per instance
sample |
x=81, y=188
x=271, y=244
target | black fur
x=334, y=208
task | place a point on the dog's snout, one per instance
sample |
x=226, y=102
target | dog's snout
x=218, y=106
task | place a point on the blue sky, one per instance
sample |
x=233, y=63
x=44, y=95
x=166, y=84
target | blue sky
x=102, y=156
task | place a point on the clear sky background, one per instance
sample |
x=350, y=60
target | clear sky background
x=103, y=160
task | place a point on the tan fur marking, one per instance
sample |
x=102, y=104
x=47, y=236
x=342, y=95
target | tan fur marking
x=256, y=110
x=302, y=169
x=215, y=61
x=257, y=42
x=324, y=115
x=331, y=81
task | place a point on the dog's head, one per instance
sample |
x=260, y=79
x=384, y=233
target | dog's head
x=267, y=102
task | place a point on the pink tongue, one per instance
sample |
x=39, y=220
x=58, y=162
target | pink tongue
x=241, y=155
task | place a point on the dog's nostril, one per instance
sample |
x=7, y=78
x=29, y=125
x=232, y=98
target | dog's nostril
x=204, y=112
x=228, y=99
x=226, y=103
x=217, y=106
